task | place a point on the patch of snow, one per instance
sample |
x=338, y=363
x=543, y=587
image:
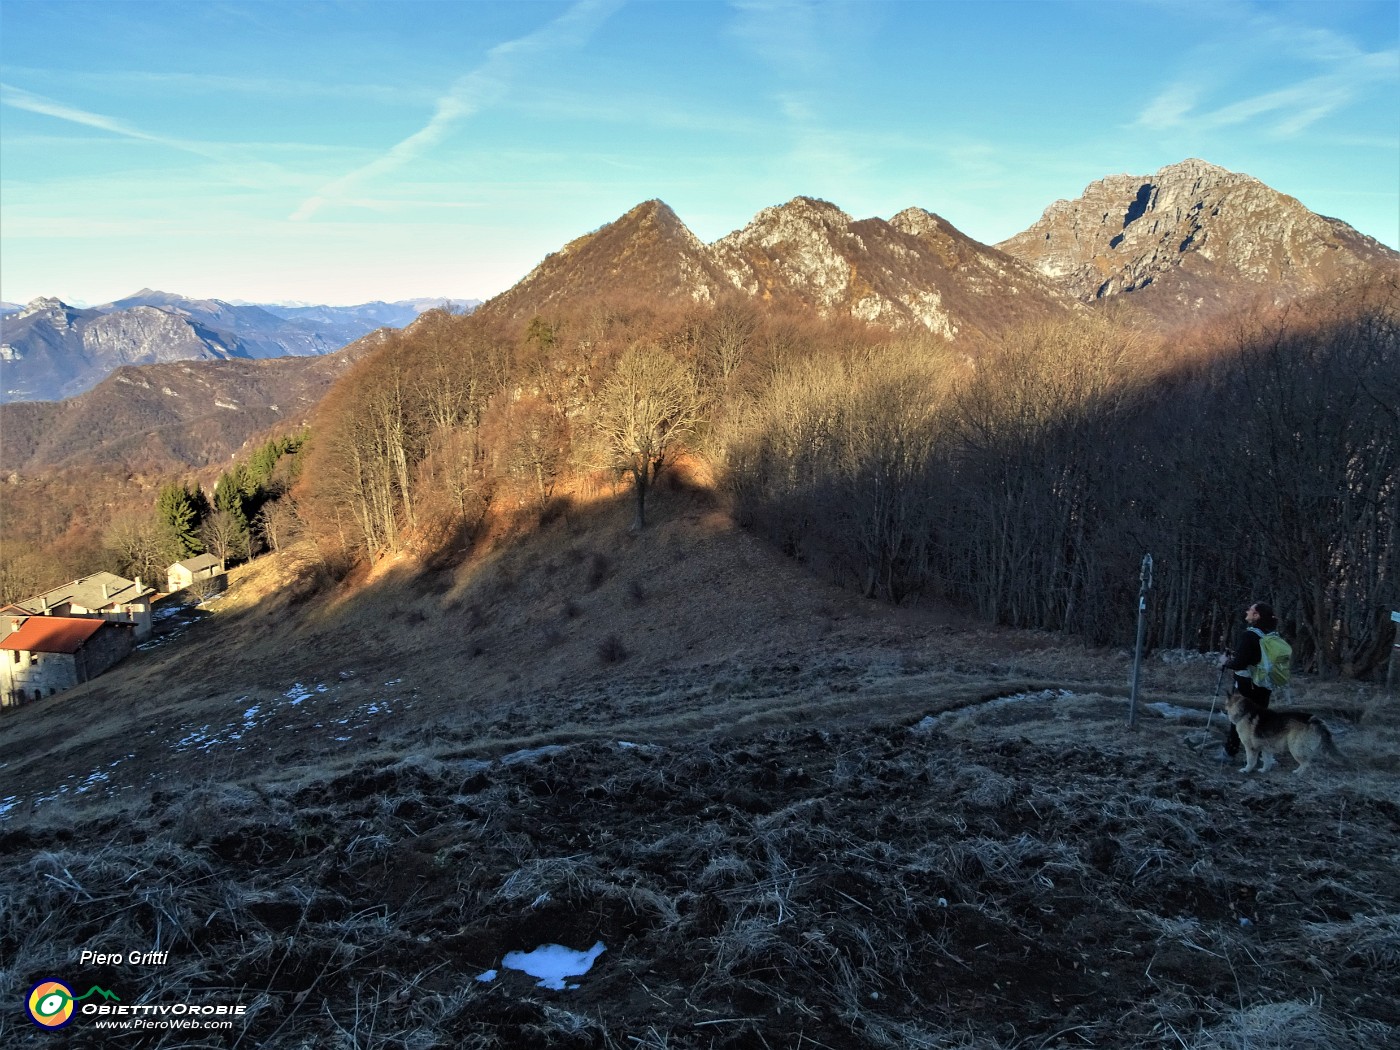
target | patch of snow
x=929, y=722
x=94, y=779
x=551, y=963
x=646, y=749
x=298, y=692
x=530, y=754
x=925, y=724
x=202, y=739
x=1172, y=711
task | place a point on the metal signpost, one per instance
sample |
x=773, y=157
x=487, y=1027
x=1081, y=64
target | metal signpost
x=1141, y=630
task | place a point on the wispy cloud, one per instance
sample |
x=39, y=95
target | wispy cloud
x=482, y=87
x=803, y=45
x=1331, y=72
x=782, y=33
x=18, y=98
x=233, y=163
x=187, y=84
x=1283, y=112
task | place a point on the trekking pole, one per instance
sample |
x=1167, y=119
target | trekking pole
x=1218, y=679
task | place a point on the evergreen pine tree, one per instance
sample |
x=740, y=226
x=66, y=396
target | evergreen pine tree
x=180, y=510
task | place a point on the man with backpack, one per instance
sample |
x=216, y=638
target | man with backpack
x=1261, y=662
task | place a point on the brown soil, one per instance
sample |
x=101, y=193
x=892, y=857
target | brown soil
x=795, y=819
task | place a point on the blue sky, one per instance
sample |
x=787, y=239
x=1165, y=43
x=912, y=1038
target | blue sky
x=345, y=152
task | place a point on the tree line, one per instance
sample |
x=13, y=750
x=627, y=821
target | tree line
x=95, y=523
x=1258, y=462
x=1023, y=477
x=244, y=514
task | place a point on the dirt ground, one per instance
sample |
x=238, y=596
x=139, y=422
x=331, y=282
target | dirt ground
x=790, y=817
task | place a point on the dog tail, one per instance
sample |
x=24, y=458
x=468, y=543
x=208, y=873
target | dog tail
x=1329, y=746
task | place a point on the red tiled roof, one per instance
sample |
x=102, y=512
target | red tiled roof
x=52, y=634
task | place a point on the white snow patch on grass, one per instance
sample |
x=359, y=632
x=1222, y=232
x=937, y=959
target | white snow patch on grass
x=553, y=964
x=930, y=722
x=530, y=754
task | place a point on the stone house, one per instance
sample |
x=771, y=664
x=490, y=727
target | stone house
x=203, y=569
x=102, y=595
x=45, y=655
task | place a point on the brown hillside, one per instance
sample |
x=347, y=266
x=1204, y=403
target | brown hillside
x=647, y=255
x=775, y=806
x=170, y=417
x=913, y=273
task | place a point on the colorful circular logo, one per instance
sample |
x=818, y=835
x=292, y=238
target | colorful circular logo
x=51, y=1004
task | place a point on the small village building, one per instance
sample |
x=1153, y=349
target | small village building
x=204, y=571
x=103, y=595
x=45, y=655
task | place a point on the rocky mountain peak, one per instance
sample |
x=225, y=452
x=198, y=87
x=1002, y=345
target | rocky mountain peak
x=916, y=273
x=55, y=311
x=917, y=222
x=1194, y=233
x=800, y=248
x=810, y=212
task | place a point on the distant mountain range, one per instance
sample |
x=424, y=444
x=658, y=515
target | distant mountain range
x=1188, y=241
x=179, y=413
x=1184, y=243
x=913, y=271
x=51, y=350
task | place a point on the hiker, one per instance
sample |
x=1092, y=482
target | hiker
x=1244, y=660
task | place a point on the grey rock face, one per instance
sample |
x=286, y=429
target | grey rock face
x=915, y=272
x=1194, y=234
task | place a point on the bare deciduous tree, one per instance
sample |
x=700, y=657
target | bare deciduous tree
x=278, y=522
x=648, y=408
x=529, y=440
x=143, y=544
x=225, y=536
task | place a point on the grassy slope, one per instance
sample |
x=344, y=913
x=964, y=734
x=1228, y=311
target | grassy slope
x=338, y=811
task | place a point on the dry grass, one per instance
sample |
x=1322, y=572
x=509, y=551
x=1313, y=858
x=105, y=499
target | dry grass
x=794, y=819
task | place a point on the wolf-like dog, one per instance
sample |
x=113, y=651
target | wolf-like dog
x=1268, y=733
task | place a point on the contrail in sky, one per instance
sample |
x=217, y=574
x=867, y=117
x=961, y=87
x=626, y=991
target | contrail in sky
x=470, y=94
x=18, y=98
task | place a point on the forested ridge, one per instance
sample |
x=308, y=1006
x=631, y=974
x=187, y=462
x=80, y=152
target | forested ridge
x=1022, y=477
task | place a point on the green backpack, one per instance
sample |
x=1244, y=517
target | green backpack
x=1275, y=665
